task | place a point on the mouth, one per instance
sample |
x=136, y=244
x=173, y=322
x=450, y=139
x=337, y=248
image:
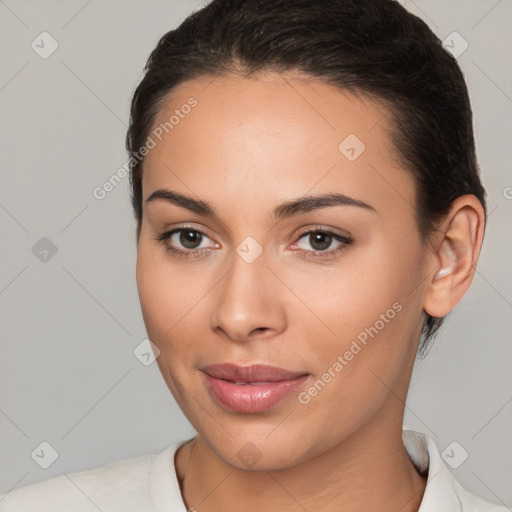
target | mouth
x=250, y=389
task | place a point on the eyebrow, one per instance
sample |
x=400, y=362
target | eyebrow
x=288, y=209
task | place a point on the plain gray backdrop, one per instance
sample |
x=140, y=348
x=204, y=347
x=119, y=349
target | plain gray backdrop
x=70, y=316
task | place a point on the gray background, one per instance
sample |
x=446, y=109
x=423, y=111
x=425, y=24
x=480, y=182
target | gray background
x=69, y=325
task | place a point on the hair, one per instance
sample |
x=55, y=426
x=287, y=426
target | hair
x=375, y=48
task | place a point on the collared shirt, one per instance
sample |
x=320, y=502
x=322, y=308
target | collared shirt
x=148, y=483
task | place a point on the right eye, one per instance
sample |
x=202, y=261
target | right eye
x=185, y=241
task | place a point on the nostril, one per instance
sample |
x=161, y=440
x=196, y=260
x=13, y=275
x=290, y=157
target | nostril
x=263, y=329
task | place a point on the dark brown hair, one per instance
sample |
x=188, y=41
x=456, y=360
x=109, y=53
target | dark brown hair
x=370, y=47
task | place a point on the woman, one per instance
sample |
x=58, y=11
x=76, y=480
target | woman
x=308, y=210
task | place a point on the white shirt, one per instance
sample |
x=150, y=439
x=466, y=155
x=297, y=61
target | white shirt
x=148, y=483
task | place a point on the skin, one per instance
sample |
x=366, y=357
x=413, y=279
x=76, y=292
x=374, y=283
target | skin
x=247, y=147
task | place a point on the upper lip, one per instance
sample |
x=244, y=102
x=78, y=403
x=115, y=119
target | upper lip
x=251, y=373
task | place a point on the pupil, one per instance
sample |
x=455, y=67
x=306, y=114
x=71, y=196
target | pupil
x=189, y=238
x=320, y=241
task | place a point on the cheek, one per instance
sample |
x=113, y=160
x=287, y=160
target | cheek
x=172, y=303
x=150, y=286
x=167, y=306
x=163, y=298
x=364, y=309
x=163, y=294
x=353, y=293
x=374, y=327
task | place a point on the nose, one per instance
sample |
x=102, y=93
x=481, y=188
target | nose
x=248, y=302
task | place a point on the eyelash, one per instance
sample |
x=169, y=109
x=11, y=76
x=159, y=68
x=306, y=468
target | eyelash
x=196, y=253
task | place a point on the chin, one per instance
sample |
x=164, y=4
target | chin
x=253, y=450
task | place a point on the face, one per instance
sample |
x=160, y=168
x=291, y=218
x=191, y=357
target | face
x=288, y=239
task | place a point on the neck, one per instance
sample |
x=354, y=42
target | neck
x=369, y=470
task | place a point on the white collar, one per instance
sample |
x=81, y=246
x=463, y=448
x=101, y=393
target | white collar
x=442, y=493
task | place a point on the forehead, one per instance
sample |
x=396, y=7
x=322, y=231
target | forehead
x=274, y=134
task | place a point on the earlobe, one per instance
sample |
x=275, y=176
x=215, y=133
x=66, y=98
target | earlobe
x=438, y=302
x=455, y=257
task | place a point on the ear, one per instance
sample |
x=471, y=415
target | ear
x=455, y=250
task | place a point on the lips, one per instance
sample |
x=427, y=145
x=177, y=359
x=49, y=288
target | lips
x=250, y=389
x=250, y=374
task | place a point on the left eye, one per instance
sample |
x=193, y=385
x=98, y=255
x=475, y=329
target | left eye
x=321, y=240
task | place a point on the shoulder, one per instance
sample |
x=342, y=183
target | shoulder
x=118, y=486
x=443, y=492
x=472, y=503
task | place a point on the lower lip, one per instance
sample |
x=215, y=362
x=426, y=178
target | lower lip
x=251, y=398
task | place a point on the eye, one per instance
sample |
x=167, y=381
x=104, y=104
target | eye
x=324, y=243
x=186, y=241
x=191, y=242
